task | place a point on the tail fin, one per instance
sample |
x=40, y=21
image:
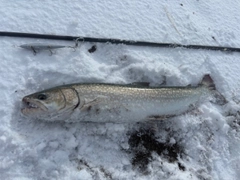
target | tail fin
x=208, y=82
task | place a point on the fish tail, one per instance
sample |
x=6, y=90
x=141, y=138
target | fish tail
x=208, y=82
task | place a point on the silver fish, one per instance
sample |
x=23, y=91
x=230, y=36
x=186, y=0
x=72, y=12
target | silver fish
x=114, y=103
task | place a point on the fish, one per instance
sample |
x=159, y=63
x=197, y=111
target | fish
x=102, y=102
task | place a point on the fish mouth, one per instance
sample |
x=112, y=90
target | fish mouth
x=31, y=106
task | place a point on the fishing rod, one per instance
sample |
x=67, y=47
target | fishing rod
x=116, y=41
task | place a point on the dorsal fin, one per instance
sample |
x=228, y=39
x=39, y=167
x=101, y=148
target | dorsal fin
x=143, y=84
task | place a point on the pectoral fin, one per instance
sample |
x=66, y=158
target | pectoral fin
x=89, y=104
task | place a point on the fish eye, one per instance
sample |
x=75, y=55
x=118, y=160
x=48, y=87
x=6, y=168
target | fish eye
x=42, y=97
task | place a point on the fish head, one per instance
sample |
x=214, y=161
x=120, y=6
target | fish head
x=52, y=104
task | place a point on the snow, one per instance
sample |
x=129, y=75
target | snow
x=208, y=138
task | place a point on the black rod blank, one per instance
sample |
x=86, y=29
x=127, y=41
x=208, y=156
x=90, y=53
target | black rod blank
x=116, y=41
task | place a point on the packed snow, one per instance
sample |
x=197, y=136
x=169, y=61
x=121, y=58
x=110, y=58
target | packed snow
x=201, y=144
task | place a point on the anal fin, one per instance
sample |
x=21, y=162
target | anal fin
x=159, y=117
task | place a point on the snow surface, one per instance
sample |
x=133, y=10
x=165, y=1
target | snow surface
x=209, y=137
